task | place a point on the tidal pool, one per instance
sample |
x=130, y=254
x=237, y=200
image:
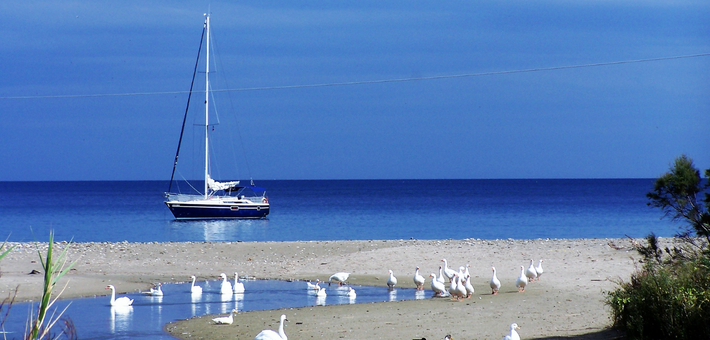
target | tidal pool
x=94, y=318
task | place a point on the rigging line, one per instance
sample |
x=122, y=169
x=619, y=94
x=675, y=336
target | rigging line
x=380, y=81
x=182, y=130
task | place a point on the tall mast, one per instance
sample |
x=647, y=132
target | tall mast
x=207, y=97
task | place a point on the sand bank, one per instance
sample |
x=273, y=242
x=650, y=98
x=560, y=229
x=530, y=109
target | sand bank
x=567, y=301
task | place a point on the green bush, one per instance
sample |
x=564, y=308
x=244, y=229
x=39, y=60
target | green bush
x=666, y=299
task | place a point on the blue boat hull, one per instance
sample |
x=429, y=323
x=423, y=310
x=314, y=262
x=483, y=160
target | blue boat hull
x=187, y=211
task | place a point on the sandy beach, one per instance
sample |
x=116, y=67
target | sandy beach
x=567, y=302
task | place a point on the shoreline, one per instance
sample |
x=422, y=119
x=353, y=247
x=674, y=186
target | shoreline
x=567, y=301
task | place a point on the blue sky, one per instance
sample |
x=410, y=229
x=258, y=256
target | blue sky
x=614, y=121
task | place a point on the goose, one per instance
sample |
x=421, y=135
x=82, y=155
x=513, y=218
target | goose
x=195, y=289
x=340, y=278
x=466, y=272
x=351, y=293
x=457, y=289
x=155, y=292
x=513, y=334
x=225, y=320
x=495, y=283
x=438, y=287
x=311, y=286
x=226, y=287
x=418, y=280
x=122, y=301
x=391, y=281
x=238, y=286
x=539, y=270
x=441, y=276
x=469, y=287
x=522, y=280
x=530, y=272
x=448, y=337
x=449, y=272
x=268, y=334
x=321, y=293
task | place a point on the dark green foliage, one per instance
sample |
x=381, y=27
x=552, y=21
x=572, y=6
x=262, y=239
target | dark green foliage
x=669, y=298
x=676, y=193
x=665, y=301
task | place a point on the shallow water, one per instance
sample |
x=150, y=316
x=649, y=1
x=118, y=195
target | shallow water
x=94, y=318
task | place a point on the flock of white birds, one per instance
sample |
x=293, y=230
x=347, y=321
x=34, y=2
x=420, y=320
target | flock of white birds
x=460, y=287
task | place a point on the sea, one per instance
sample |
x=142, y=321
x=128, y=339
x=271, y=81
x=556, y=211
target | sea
x=317, y=210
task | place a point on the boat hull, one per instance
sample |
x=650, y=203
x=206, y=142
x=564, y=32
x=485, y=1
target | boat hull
x=203, y=211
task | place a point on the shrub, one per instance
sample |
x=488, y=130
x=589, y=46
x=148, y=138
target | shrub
x=669, y=298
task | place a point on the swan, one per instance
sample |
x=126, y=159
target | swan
x=195, y=289
x=226, y=287
x=469, y=287
x=311, y=286
x=522, y=280
x=351, y=293
x=513, y=334
x=339, y=277
x=449, y=272
x=438, y=287
x=122, y=301
x=238, y=286
x=418, y=280
x=495, y=283
x=321, y=292
x=530, y=272
x=155, y=292
x=391, y=281
x=225, y=320
x=539, y=270
x=441, y=276
x=268, y=334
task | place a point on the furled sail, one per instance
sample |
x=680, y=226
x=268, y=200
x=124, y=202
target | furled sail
x=215, y=186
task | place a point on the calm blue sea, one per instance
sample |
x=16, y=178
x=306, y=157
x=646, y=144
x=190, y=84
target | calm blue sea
x=341, y=210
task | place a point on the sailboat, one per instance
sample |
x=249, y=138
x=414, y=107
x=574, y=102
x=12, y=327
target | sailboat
x=219, y=200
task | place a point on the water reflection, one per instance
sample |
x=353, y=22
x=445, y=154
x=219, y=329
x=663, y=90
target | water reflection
x=420, y=295
x=393, y=295
x=94, y=318
x=222, y=230
x=121, y=317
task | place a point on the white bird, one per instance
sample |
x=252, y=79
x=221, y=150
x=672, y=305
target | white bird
x=469, y=287
x=495, y=283
x=311, y=286
x=539, y=270
x=238, y=287
x=418, y=280
x=448, y=337
x=226, y=287
x=122, y=301
x=457, y=289
x=195, y=289
x=513, y=334
x=268, y=334
x=155, y=292
x=522, y=280
x=225, y=320
x=449, y=272
x=441, y=276
x=321, y=292
x=339, y=277
x=438, y=287
x=391, y=281
x=530, y=272
x=351, y=293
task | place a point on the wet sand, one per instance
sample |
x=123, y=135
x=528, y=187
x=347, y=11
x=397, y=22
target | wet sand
x=567, y=302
